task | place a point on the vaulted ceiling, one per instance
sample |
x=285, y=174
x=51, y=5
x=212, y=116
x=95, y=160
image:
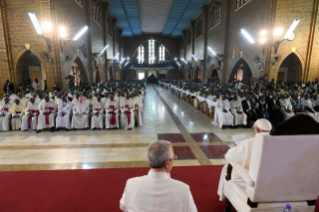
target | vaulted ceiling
x=166, y=17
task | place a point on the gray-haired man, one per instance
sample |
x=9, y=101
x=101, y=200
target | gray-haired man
x=157, y=191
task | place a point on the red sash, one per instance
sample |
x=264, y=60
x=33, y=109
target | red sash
x=30, y=118
x=47, y=121
x=98, y=109
x=128, y=115
x=5, y=109
x=113, y=117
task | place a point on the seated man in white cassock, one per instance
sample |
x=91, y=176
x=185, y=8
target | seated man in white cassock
x=47, y=111
x=5, y=115
x=63, y=120
x=240, y=118
x=30, y=119
x=241, y=154
x=112, y=113
x=97, y=114
x=223, y=114
x=157, y=191
x=80, y=119
x=17, y=111
x=127, y=116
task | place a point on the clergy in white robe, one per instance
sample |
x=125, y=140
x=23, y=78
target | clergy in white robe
x=127, y=113
x=112, y=113
x=309, y=108
x=240, y=118
x=157, y=191
x=30, y=119
x=5, y=115
x=47, y=111
x=80, y=119
x=90, y=102
x=97, y=114
x=17, y=111
x=224, y=116
x=286, y=107
x=23, y=101
x=63, y=120
x=241, y=153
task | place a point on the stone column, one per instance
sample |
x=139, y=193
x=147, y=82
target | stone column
x=205, y=12
x=89, y=40
x=105, y=6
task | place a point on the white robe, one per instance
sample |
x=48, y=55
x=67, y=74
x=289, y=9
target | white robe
x=240, y=154
x=64, y=121
x=124, y=119
x=17, y=110
x=5, y=118
x=82, y=120
x=97, y=120
x=239, y=119
x=313, y=113
x=46, y=121
x=223, y=118
x=108, y=116
x=286, y=104
x=33, y=109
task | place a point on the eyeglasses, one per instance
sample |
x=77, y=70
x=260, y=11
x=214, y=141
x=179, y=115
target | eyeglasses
x=174, y=158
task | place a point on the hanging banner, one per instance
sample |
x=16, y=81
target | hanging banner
x=84, y=51
x=208, y=59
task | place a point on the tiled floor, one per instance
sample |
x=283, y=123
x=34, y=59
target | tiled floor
x=195, y=140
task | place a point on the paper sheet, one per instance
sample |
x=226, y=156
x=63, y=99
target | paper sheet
x=239, y=138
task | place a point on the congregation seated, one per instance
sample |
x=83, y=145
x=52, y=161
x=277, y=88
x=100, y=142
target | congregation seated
x=157, y=191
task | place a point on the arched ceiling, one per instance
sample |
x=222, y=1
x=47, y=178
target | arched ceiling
x=166, y=17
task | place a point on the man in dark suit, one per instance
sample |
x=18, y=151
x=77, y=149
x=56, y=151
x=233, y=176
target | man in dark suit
x=8, y=86
x=249, y=111
x=275, y=114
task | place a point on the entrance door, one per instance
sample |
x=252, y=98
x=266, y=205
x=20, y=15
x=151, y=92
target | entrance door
x=281, y=77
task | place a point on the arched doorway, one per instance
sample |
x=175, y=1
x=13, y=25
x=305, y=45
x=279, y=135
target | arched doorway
x=29, y=68
x=290, y=69
x=241, y=71
x=198, y=75
x=78, y=71
x=214, y=75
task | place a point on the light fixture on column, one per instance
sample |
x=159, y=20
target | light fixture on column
x=128, y=58
x=184, y=60
x=247, y=36
x=116, y=57
x=122, y=60
x=126, y=63
x=194, y=58
x=103, y=50
x=210, y=49
x=178, y=63
x=38, y=28
x=290, y=35
x=175, y=58
x=63, y=33
x=80, y=33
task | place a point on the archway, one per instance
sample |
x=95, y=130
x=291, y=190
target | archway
x=197, y=75
x=28, y=68
x=290, y=69
x=241, y=71
x=78, y=71
x=100, y=73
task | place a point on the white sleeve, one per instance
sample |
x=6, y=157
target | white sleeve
x=191, y=204
x=123, y=205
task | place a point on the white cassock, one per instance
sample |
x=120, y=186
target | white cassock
x=239, y=119
x=313, y=113
x=24, y=101
x=64, y=121
x=17, y=112
x=46, y=121
x=111, y=120
x=286, y=104
x=97, y=120
x=127, y=121
x=82, y=120
x=240, y=154
x=223, y=118
x=5, y=116
x=157, y=192
x=28, y=121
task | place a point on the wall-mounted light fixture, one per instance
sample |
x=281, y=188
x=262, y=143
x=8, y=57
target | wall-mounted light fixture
x=194, y=58
x=116, y=56
x=247, y=36
x=290, y=35
x=184, y=60
x=38, y=28
x=210, y=49
x=80, y=33
x=178, y=63
x=103, y=50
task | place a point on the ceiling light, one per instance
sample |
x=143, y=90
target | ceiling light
x=194, y=57
x=291, y=29
x=107, y=46
x=36, y=24
x=210, y=49
x=77, y=36
x=247, y=36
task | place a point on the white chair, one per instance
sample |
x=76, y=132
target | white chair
x=283, y=170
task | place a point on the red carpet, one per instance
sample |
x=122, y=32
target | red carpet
x=95, y=190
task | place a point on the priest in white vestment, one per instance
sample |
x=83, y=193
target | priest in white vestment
x=30, y=119
x=97, y=114
x=47, y=111
x=80, y=119
x=112, y=113
x=286, y=107
x=223, y=114
x=127, y=113
x=5, y=115
x=241, y=153
x=17, y=111
x=23, y=101
x=157, y=191
x=63, y=120
x=240, y=118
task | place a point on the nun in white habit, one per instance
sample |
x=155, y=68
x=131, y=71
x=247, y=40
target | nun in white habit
x=224, y=116
x=241, y=153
